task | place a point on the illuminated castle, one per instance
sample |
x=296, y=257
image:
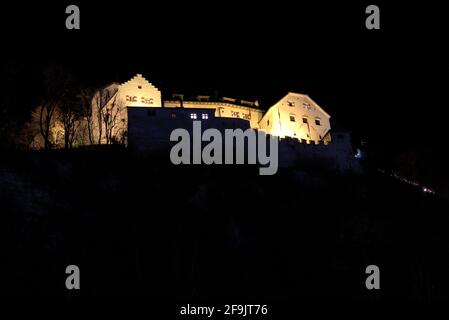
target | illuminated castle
x=295, y=115
x=134, y=113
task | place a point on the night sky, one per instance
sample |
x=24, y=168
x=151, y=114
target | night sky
x=379, y=84
x=140, y=228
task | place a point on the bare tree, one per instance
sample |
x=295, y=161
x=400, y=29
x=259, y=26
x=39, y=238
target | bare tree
x=44, y=131
x=58, y=84
x=105, y=110
x=47, y=111
x=110, y=115
x=70, y=115
x=70, y=120
x=86, y=95
x=99, y=103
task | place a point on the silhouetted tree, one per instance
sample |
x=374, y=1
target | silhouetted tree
x=105, y=110
x=86, y=95
x=110, y=114
x=59, y=86
x=69, y=117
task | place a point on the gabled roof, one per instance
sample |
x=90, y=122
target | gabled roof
x=295, y=94
x=308, y=97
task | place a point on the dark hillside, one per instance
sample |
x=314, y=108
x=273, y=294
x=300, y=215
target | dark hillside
x=138, y=227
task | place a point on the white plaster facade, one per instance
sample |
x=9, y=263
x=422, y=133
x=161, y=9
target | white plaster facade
x=295, y=115
x=109, y=108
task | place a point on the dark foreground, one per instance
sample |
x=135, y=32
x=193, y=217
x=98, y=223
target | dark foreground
x=141, y=228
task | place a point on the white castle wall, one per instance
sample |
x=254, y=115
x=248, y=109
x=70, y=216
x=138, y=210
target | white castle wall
x=137, y=92
x=285, y=119
x=223, y=110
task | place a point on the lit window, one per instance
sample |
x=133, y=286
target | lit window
x=292, y=118
x=318, y=122
x=304, y=120
x=204, y=116
x=193, y=116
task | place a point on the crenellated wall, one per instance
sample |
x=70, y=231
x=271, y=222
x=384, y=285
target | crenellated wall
x=337, y=155
x=149, y=131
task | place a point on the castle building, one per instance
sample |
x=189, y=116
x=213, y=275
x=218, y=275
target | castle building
x=294, y=116
x=134, y=114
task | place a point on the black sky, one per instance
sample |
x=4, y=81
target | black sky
x=377, y=83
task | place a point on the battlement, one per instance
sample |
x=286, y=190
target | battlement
x=150, y=129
